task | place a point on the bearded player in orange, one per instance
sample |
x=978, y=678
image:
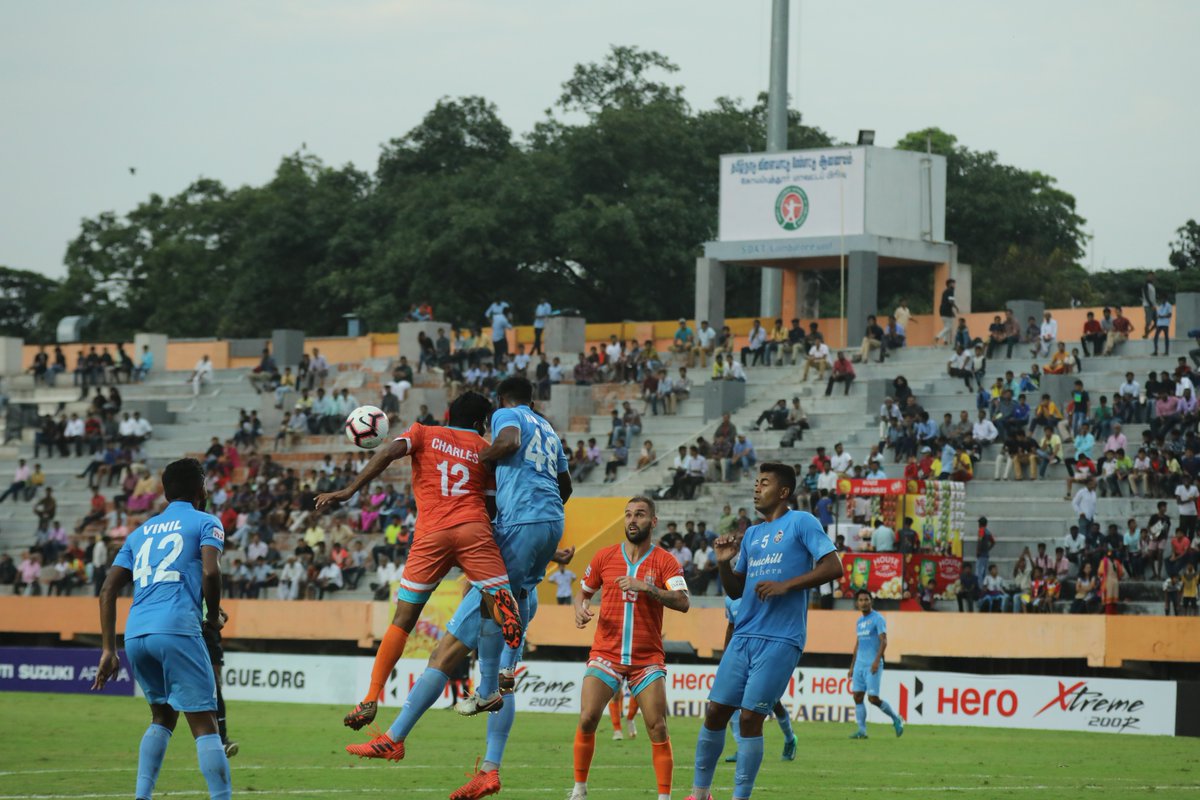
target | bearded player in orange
x=637, y=580
x=455, y=503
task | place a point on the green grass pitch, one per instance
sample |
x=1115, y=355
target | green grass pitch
x=69, y=746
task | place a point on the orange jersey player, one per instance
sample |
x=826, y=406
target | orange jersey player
x=451, y=486
x=636, y=581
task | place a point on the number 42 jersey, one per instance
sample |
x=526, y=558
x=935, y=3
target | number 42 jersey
x=163, y=553
x=527, y=480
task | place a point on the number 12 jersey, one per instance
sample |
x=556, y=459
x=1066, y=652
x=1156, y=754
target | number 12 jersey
x=449, y=482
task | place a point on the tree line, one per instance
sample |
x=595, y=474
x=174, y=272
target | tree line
x=603, y=206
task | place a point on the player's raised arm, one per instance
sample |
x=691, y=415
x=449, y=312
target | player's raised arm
x=118, y=578
x=384, y=456
x=726, y=548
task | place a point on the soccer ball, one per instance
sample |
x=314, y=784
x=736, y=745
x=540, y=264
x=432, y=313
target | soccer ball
x=366, y=427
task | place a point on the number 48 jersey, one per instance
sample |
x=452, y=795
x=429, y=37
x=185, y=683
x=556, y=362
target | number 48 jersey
x=527, y=480
x=163, y=553
x=449, y=482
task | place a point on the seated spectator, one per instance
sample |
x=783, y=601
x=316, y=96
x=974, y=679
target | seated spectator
x=618, y=458
x=328, y=579
x=202, y=373
x=743, y=456
x=818, y=358
x=586, y=459
x=968, y=592
x=994, y=596
x=776, y=417
x=1121, y=330
x=684, y=341
x=705, y=344
x=797, y=423
x=894, y=336
x=795, y=347
x=647, y=457
x=872, y=340
x=629, y=424
x=843, y=372
x=1093, y=334
x=1087, y=597
x=961, y=365
x=755, y=350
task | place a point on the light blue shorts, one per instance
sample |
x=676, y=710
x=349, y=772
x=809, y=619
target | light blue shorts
x=173, y=670
x=864, y=681
x=754, y=673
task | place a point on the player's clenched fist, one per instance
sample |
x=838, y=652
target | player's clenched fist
x=629, y=584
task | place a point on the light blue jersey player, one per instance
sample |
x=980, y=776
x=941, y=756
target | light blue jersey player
x=866, y=665
x=778, y=561
x=533, y=482
x=172, y=560
x=779, y=712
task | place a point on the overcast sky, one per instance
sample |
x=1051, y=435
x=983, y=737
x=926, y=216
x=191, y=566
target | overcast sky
x=1102, y=95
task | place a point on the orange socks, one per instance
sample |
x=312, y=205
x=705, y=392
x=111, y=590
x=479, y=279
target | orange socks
x=390, y=651
x=585, y=746
x=633, y=708
x=664, y=765
x=614, y=711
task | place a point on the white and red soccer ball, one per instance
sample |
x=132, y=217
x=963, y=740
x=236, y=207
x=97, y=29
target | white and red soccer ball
x=366, y=427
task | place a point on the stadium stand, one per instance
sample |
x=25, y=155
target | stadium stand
x=251, y=438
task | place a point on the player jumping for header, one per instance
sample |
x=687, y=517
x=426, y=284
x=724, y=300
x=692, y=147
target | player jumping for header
x=533, y=482
x=172, y=560
x=866, y=665
x=778, y=561
x=450, y=483
x=638, y=580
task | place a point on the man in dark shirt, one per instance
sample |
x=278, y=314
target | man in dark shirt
x=948, y=311
x=908, y=539
x=872, y=340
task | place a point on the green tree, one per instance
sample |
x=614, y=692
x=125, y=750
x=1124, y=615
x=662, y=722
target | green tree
x=1185, y=249
x=23, y=298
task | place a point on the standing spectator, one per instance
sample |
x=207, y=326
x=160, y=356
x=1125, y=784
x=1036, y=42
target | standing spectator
x=541, y=315
x=1162, y=327
x=318, y=370
x=1186, y=495
x=1171, y=589
x=1084, y=504
x=984, y=543
x=99, y=563
x=1189, y=581
x=1149, y=303
x=1109, y=574
x=843, y=372
x=948, y=311
x=46, y=509
x=706, y=343
x=562, y=578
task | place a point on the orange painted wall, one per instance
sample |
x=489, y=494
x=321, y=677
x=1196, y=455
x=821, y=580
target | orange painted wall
x=1103, y=641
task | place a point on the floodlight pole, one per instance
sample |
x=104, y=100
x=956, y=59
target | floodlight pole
x=771, y=298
